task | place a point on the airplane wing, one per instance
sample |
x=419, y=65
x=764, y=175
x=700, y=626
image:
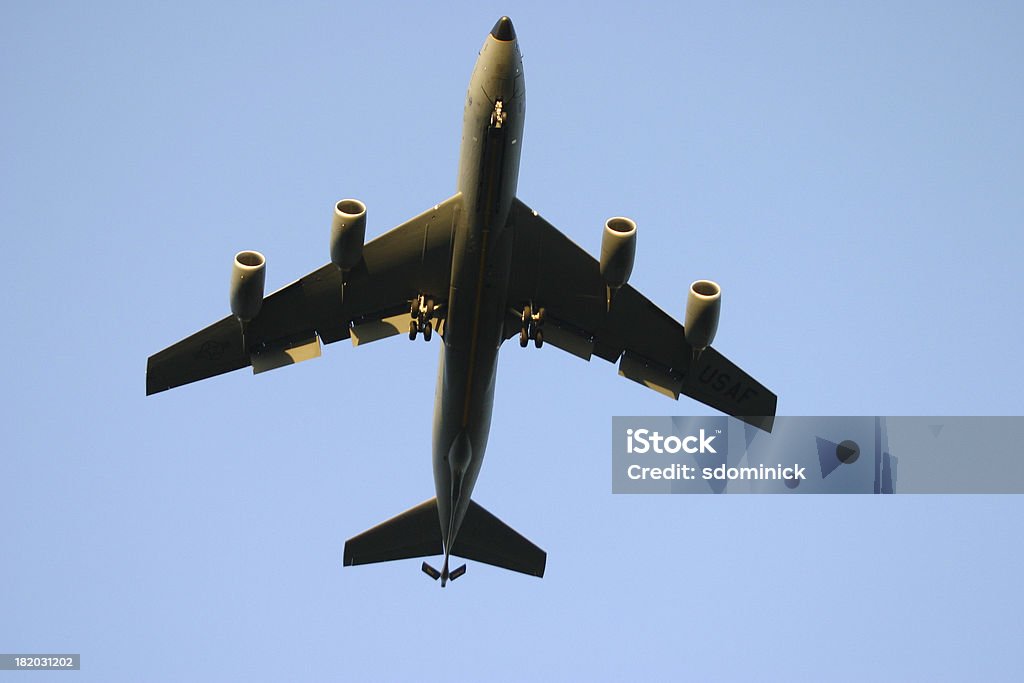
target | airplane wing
x=550, y=271
x=397, y=267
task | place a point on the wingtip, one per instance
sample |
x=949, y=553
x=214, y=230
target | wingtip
x=763, y=422
x=153, y=387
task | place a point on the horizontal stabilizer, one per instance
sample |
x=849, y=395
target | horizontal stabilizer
x=456, y=573
x=417, y=533
x=414, y=533
x=485, y=538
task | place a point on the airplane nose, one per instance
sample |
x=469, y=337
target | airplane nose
x=503, y=30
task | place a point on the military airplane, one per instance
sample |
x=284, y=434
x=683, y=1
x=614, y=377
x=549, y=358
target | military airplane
x=477, y=269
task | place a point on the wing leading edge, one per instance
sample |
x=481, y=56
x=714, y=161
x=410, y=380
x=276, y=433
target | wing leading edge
x=551, y=271
x=411, y=260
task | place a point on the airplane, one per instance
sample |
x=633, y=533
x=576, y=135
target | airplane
x=478, y=269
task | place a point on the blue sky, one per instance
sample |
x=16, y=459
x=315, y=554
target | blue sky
x=851, y=175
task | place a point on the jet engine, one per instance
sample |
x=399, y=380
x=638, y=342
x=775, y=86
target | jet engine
x=348, y=232
x=248, y=275
x=618, y=247
x=702, y=308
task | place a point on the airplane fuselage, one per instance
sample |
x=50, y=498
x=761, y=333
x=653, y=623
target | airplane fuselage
x=481, y=260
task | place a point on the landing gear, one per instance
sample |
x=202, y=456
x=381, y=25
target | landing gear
x=422, y=311
x=498, y=116
x=531, y=327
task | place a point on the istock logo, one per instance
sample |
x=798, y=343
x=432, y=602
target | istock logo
x=645, y=441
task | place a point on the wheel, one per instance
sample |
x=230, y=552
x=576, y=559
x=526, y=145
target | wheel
x=538, y=339
x=524, y=338
x=540, y=315
x=527, y=313
x=428, y=330
x=413, y=329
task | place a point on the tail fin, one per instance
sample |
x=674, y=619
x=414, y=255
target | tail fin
x=417, y=533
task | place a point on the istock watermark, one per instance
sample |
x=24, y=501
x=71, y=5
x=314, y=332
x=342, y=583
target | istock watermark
x=859, y=454
x=644, y=440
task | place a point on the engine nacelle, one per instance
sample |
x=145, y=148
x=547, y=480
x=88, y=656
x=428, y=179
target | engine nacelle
x=702, y=308
x=248, y=275
x=348, y=232
x=618, y=248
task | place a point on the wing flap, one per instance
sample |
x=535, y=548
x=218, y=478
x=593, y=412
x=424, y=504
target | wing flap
x=290, y=353
x=568, y=340
x=643, y=371
x=374, y=330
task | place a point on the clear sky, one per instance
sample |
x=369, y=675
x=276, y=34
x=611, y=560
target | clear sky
x=852, y=175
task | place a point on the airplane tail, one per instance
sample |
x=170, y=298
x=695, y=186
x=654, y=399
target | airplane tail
x=417, y=533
